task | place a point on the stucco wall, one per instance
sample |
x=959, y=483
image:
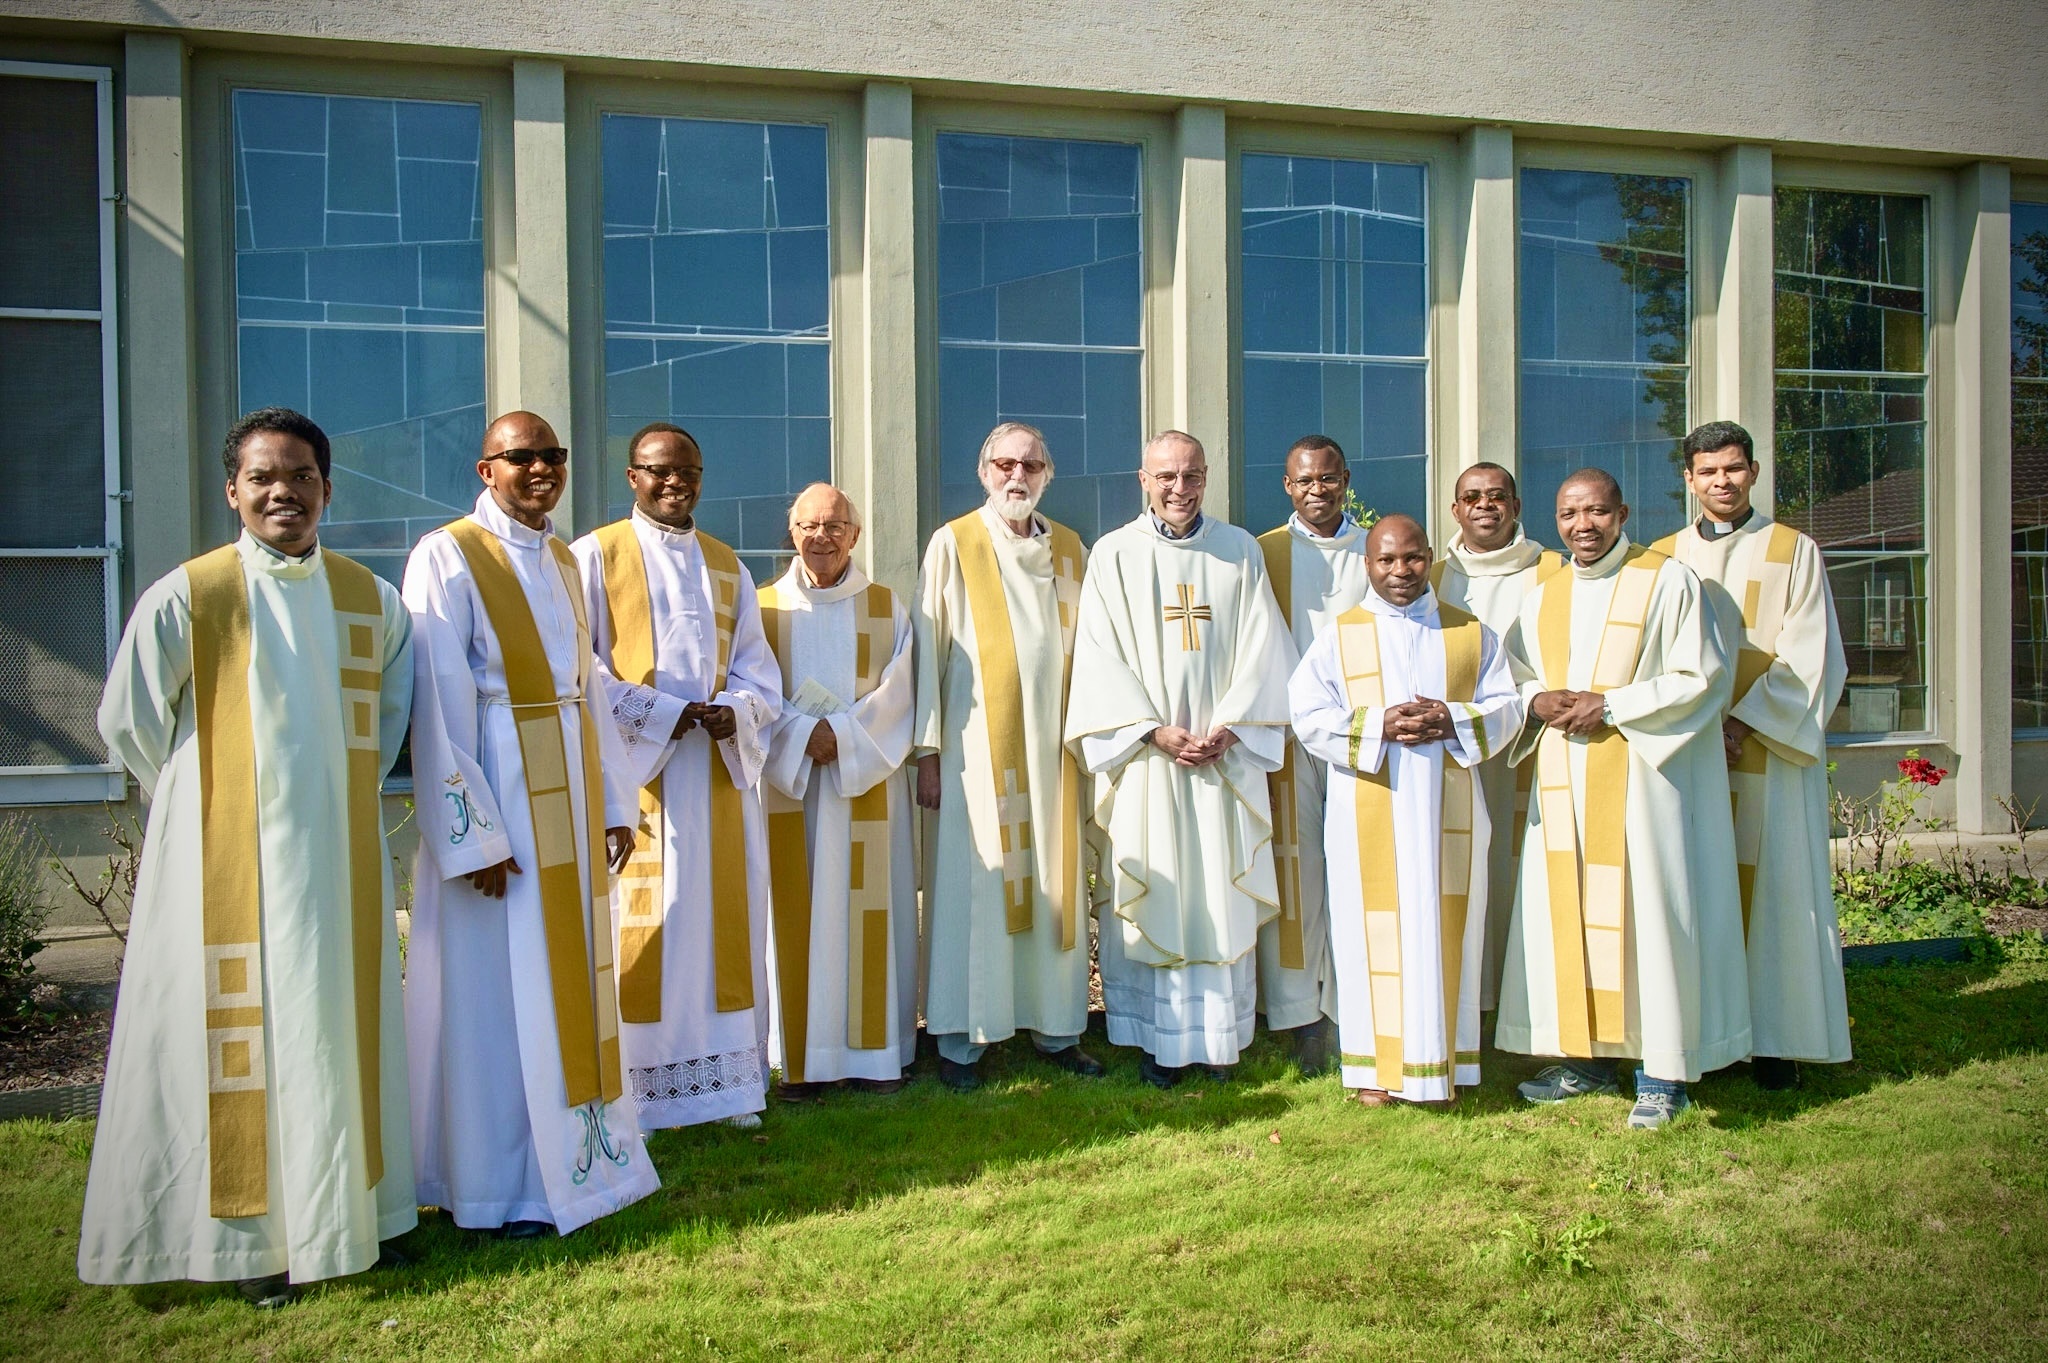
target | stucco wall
x=1965, y=77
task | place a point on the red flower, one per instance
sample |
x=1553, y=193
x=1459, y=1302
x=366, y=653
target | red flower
x=1920, y=771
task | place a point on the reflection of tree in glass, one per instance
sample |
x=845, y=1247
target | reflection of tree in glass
x=1651, y=259
x=2030, y=344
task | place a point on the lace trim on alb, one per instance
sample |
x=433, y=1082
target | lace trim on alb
x=633, y=708
x=700, y=1078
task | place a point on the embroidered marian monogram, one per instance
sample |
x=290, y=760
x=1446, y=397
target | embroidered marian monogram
x=1189, y=616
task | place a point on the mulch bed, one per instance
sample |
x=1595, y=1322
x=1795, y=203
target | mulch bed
x=53, y=1050
x=2010, y=920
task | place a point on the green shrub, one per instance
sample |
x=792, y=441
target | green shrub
x=23, y=909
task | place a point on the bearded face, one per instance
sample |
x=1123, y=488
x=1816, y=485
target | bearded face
x=1014, y=475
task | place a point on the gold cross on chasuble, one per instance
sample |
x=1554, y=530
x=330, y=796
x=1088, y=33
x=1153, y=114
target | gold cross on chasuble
x=1188, y=614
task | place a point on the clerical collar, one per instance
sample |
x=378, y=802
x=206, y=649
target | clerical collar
x=667, y=532
x=493, y=518
x=799, y=578
x=1512, y=557
x=1607, y=564
x=1346, y=528
x=1421, y=608
x=280, y=555
x=263, y=558
x=1166, y=531
x=1714, y=530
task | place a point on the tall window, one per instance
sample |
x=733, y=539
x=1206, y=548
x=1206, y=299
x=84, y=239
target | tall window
x=717, y=313
x=2030, y=466
x=359, y=300
x=1335, y=320
x=1041, y=291
x=1852, y=431
x=1605, y=341
x=59, y=527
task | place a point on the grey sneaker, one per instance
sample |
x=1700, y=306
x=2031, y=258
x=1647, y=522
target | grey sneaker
x=1560, y=1082
x=745, y=1121
x=1653, y=1110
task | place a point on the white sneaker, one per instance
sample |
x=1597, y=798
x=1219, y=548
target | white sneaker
x=1653, y=1110
x=745, y=1121
x=1560, y=1082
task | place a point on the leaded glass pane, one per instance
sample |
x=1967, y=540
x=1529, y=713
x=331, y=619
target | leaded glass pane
x=1605, y=335
x=1041, y=287
x=359, y=300
x=717, y=306
x=2030, y=466
x=1852, y=429
x=1334, y=282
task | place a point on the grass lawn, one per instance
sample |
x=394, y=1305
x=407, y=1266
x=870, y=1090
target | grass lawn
x=1896, y=1208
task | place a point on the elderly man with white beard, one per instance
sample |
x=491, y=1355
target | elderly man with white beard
x=1005, y=887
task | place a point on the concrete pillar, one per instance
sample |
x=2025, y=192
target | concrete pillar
x=1743, y=360
x=536, y=336
x=1200, y=344
x=1487, y=384
x=1976, y=466
x=880, y=447
x=158, y=401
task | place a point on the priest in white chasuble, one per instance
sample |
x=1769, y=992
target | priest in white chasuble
x=1006, y=892
x=1769, y=591
x=677, y=630
x=253, y=1126
x=845, y=881
x=1316, y=565
x=1402, y=698
x=1489, y=568
x=1626, y=940
x=1180, y=711
x=526, y=799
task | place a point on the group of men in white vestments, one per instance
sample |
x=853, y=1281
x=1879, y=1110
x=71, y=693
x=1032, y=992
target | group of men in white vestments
x=666, y=823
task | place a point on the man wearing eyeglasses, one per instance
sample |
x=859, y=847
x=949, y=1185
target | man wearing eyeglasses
x=1489, y=568
x=845, y=886
x=1316, y=563
x=526, y=803
x=677, y=629
x=1180, y=712
x=1006, y=899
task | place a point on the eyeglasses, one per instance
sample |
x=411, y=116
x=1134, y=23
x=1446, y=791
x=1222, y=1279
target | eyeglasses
x=1031, y=467
x=554, y=457
x=827, y=529
x=1188, y=480
x=1327, y=480
x=1494, y=495
x=663, y=473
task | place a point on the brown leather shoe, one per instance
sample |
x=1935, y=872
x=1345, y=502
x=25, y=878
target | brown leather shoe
x=1373, y=1098
x=882, y=1086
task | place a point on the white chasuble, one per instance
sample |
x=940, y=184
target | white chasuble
x=1006, y=894
x=1406, y=839
x=844, y=940
x=1626, y=940
x=1315, y=579
x=254, y=1119
x=1769, y=591
x=519, y=1112
x=1490, y=584
x=691, y=907
x=1185, y=633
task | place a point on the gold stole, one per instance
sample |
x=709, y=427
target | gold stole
x=231, y=874
x=1278, y=548
x=1358, y=646
x=789, y=867
x=1589, y=897
x=576, y=930
x=1002, y=696
x=642, y=902
x=1763, y=586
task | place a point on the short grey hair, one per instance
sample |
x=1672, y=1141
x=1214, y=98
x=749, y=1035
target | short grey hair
x=852, y=507
x=1007, y=429
x=1180, y=436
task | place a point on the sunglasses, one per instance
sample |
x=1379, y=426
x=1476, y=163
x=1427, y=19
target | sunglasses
x=1492, y=494
x=1030, y=467
x=554, y=457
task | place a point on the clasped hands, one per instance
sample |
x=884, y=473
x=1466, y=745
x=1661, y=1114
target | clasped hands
x=1417, y=721
x=1187, y=750
x=716, y=719
x=491, y=881
x=1578, y=713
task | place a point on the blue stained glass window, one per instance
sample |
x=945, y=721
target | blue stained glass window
x=717, y=313
x=359, y=300
x=1605, y=342
x=1335, y=322
x=1041, y=292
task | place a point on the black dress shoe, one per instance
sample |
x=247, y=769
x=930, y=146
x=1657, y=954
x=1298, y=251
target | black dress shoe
x=267, y=1294
x=1074, y=1060
x=800, y=1093
x=1218, y=1074
x=524, y=1230
x=881, y=1086
x=1774, y=1075
x=958, y=1077
x=1156, y=1074
x=1315, y=1049
x=389, y=1255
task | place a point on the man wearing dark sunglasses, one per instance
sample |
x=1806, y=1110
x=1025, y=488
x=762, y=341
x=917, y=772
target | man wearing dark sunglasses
x=1489, y=568
x=525, y=803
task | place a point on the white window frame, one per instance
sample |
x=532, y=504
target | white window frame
x=91, y=782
